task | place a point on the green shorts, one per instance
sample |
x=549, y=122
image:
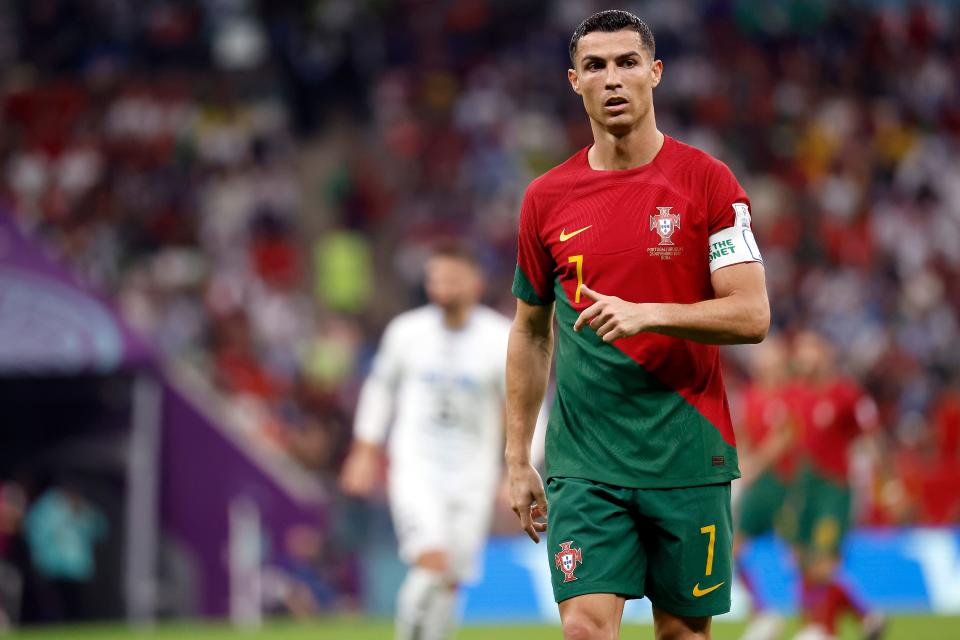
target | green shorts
x=824, y=512
x=764, y=506
x=673, y=546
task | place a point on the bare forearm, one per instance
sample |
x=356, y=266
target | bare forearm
x=739, y=312
x=734, y=319
x=528, y=371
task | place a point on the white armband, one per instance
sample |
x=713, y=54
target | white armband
x=734, y=244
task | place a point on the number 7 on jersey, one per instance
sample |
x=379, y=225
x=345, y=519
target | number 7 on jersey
x=579, y=261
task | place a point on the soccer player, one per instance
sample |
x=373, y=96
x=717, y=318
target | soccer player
x=439, y=371
x=642, y=247
x=835, y=412
x=766, y=442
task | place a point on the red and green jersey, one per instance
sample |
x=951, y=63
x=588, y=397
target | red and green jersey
x=649, y=410
x=834, y=415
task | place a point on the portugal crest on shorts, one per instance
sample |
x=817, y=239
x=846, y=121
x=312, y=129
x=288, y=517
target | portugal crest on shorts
x=567, y=559
x=665, y=224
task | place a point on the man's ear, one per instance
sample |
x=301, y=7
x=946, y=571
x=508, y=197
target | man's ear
x=574, y=80
x=656, y=68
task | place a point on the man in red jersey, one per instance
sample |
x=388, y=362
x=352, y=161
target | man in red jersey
x=834, y=412
x=642, y=246
x=766, y=437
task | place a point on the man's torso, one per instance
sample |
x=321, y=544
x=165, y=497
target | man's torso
x=450, y=394
x=649, y=410
x=767, y=411
x=834, y=415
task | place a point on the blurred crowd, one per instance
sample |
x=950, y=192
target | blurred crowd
x=256, y=184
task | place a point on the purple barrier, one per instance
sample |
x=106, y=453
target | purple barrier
x=203, y=471
x=52, y=325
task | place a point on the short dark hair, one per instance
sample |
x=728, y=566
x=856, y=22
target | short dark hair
x=458, y=248
x=611, y=21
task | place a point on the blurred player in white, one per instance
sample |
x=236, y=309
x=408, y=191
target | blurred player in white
x=440, y=374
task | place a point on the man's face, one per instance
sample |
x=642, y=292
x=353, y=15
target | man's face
x=812, y=356
x=615, y=76
x=452, y=282
x=769, y=360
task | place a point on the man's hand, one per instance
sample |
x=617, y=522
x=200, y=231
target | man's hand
x=361, y=470
x=611, y=317
x=528, y=499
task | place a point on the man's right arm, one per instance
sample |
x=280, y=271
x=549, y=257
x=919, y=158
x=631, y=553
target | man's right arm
x=528, y=370
x=361, y=469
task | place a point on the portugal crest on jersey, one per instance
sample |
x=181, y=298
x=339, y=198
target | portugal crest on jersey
x=665, y=224
x=566, y=560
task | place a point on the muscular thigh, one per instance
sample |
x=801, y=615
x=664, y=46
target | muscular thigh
x=600, y=613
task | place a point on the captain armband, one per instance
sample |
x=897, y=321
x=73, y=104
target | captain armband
x=734, y=244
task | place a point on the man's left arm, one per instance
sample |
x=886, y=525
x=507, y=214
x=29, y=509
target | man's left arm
x=739, y=314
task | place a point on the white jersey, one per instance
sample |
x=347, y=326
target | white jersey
x=446, y=388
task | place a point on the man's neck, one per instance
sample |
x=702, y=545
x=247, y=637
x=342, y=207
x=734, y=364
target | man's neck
x=454, y=318
x=637, y=148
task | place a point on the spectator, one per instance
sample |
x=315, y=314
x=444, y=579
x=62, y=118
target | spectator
x=62, y=528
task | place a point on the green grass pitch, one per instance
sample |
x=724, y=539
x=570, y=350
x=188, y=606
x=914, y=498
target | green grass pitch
x=901, y=628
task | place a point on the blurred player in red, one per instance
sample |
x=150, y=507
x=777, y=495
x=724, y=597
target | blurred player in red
x=834, y=412
x=766, y=435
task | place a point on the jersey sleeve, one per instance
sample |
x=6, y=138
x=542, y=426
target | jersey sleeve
x=387, y=363
x=728, y=210
x=375, y=404
x=533, y=278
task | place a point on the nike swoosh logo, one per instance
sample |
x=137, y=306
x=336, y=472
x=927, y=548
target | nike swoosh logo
x=699, y=593
x=564, y=236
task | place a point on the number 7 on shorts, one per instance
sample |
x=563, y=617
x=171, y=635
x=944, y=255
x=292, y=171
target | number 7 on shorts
x=712, y=530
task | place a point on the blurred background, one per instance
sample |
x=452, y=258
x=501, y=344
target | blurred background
x=209, y=210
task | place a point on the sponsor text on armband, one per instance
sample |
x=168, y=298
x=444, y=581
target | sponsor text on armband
x=734, y=244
